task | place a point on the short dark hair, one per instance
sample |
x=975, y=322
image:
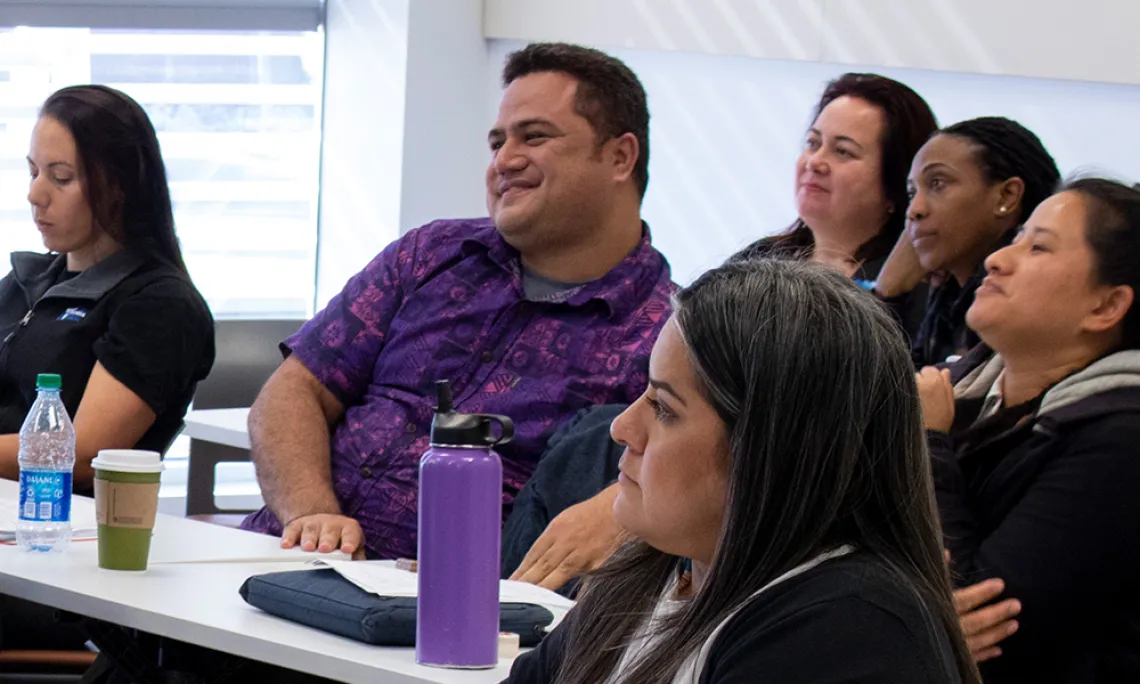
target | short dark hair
x=125, y=179
x=1010, y=150
x=609, y=96
x=1112, y=228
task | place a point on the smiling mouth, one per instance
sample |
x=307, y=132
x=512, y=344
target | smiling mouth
x=516, y=187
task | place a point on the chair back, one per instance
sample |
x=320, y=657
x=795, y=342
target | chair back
x=247, y=353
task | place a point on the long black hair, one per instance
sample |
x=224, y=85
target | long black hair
x=1112, y=228
x=908, y=123
x=817, y=392
x=1009, y=150
x=125, y=179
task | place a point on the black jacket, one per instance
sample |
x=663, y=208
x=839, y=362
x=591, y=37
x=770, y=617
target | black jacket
x=908, y=308
x=1047, y=498
x=943, y=332
x=846, y=620
x=580, y=460
x=141, y=319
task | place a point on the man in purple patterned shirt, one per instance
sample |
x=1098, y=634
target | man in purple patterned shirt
x=549, y=306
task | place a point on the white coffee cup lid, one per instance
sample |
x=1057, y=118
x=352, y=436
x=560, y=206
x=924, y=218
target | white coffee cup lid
x=128, y=461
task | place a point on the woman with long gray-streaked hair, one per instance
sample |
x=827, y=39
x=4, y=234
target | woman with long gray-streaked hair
x=777, y=489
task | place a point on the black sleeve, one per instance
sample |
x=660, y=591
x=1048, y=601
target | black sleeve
x=1066, y=550
x=844, y=640
x=158, y=342
x=958, y=521
x=540, y=665
x=909, y=310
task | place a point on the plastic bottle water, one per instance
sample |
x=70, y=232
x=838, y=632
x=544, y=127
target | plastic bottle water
x=47, y=457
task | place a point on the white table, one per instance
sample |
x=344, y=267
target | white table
x=221, y=426
x=190, y=593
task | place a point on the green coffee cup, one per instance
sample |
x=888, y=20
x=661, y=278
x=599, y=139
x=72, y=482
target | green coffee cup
x=126, y=502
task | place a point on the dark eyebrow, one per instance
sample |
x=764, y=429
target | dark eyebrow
x=1042, y=229
x=532, y=122
x=934, y=166
x=52, y=164
x=498, y=131
x=662, y=386
x=840, y=138
x=849, y=139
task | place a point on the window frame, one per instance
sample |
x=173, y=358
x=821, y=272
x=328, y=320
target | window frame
x=235, y=15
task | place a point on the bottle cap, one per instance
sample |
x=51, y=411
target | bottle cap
x=508, y=645
x=128, y=461
x=451, y=428
x=48, y=381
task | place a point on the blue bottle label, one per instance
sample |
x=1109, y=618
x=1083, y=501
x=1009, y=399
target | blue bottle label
x=45, y=496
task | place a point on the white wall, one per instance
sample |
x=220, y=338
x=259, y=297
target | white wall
x=1087, y=40
x=725, y=132
x=445, y=124
x=363, y=141
x=406, y=115
x=411, y=93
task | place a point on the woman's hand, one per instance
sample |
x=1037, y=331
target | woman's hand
x=902, y=271
x=937, y=397
x=985, y=624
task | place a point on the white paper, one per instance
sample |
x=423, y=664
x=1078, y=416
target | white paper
x=383, y=578
x=82, y=520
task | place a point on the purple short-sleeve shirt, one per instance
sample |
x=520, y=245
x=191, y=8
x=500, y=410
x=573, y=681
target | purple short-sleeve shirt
x=445, y=301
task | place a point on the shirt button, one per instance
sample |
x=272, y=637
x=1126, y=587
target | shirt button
x=366, y=472
x=488, y=357
x=410, y=428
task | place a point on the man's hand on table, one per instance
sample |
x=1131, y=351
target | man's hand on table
x=325, y=533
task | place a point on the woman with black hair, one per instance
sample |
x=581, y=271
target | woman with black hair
x=778, y=453
x=1034, y=437
x=970, y=186
x=110, y=307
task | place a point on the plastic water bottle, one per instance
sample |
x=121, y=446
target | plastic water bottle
x=47, y=457
x=460, y=521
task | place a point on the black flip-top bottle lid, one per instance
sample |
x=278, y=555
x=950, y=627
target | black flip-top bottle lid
x=451, y=428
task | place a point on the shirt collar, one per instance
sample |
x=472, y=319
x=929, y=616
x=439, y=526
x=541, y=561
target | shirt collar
x=94, y=282
x=994, y=399
x=624, y=288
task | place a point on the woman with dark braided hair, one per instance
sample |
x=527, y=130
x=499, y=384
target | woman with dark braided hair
x=971, y=186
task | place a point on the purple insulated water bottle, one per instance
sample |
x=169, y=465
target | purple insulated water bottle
x=460, y=519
